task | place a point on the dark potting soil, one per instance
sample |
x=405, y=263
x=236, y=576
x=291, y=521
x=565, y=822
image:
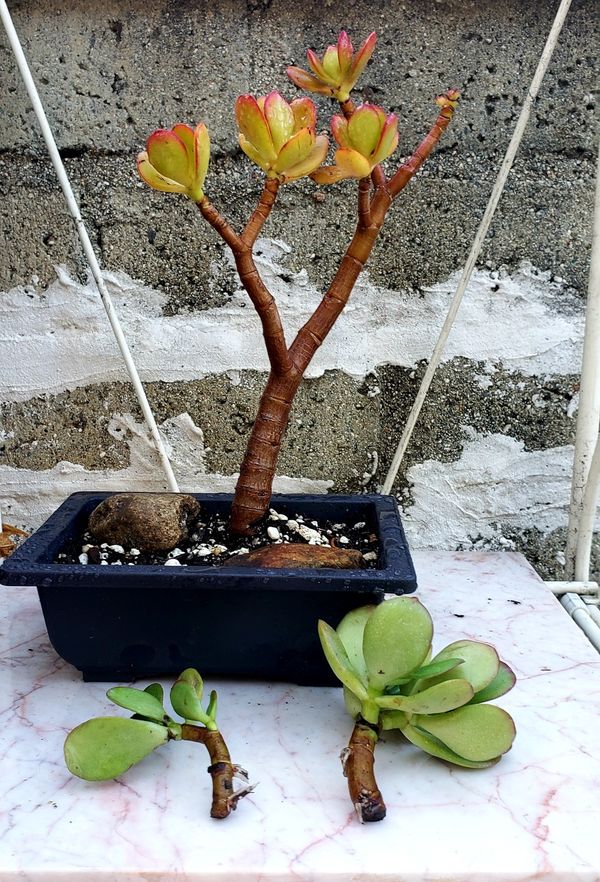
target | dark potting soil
x=211, y=544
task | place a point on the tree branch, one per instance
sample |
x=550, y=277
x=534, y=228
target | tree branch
x=364, y=202
x=261, y=212
x=262, y=299
x=218, y=222
x=408, y=169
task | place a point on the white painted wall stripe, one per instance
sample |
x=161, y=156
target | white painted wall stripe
x=58, y=339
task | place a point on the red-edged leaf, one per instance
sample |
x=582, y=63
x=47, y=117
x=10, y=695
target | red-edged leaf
x=352, y=164
x=345, y=51
x=362, y=57
x=253, y=126
x=295, y=150
x=339, y=128
x=311, y=162
x=305, y=114
x=167, y=153
x=388, y=141
x=280, y=119
x=307, y=81
x=318, y=69
x=154, y=179
x=364, y=129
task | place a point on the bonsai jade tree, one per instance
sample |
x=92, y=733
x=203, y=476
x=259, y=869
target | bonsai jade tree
x=281, y=138
x=105, y=747
x=382, y=655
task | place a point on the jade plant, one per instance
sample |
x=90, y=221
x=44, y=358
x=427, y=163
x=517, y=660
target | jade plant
x=282, y=139
x=382, y=655
x=105, y=747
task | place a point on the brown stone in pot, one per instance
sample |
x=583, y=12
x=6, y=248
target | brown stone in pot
x=148, y=521
x=299, y=556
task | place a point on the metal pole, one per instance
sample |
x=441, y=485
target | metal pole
x=588, y=414
x=85, y=240
x=478, y=242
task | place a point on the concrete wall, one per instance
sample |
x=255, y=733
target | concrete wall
x=490, y=463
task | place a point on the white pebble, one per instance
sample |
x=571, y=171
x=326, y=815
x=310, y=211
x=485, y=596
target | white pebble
x=103, y=563
x=134, y=552
x=273, y=533
x=282, y=517
x=83, y=558
x=177, y=552
x=293, y=525
x=310, y=535
x=344, y=540
x=370, y=555
x=104, y=545
x=118, y=549
x=103, y=556
x=359, y=525
x=86, y=548
x=203, y=551
x=218, y=549
x=172, y=562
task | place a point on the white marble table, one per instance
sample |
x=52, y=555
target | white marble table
x=536, y=815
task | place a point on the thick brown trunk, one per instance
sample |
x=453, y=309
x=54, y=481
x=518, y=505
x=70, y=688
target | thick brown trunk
x=255, y=483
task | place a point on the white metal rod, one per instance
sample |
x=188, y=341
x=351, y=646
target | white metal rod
x=588, y=414
x=585, y=533
x=580, y=588
x=581, y=615
x=85, y=240
x=594, y=614
x=478, y=242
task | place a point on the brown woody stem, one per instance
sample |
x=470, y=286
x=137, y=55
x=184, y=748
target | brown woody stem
x=408, y=169
x=261, y=212
x=262, y=299
x=358, y=762
x=364, y=202
x=221, y=769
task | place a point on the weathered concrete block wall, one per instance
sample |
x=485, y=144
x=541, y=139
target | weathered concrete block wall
x=490, y=463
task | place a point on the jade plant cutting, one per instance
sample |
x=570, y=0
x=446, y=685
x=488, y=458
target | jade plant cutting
x=105, y=747
x=382, y=655
x=282, y=139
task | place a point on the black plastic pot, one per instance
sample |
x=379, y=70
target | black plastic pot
x=123, y=623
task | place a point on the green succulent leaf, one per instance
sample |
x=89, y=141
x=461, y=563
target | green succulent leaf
x=430, y=670
x=479, y=666
x=191, y=676
x=339, y=662
x=105, y=747
x=211, y=710
x=436, y=700
x=138, y=701
x=352, y=703
x=157, y=691
x=434, y=747
x=396, y=640
x=393, y=719
x=502, y=683
x=477, y=732
x=351, y=631
x=186, y=702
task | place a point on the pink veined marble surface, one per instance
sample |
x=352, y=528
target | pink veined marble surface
x=534, y=816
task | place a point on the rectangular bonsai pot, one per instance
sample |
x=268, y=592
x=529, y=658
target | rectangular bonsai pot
x=134, y=622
